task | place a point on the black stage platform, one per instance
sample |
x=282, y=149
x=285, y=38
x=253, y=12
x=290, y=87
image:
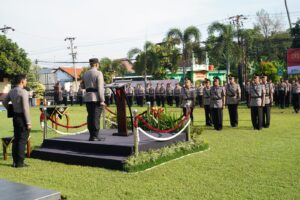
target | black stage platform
x=16, y=191
x=111, y=153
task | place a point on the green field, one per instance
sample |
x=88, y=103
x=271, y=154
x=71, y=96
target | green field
x=240, y=164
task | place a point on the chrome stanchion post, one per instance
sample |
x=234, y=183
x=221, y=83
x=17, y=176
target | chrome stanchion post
x=104, y=122
x=136, y=135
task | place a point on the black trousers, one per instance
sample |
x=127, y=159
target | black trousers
x=266, y=115
x=207, y=110
x=177, y=101
x=130, y=100
x=170, y=100
x=247, y=98
x=296, y=102
x=151, y=99
x=191, y=112
x=256, y=117
x=107, y=100
x=287, y=99
x=162, y=100
x=65, y=100
x=80, y=100
x=281, y=96
x=21, y=134
x=233, y=114
x=72, y=100
x=200, y=101
x=147, y=97
x=93, y=119
x=158, y=100
x=217, y=118
x=140, y=100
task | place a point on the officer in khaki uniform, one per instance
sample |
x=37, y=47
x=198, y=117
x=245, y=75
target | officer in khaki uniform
x=177, y=93
x=21, y=119
x=94, y=98
x=188, y=95
x=151, y=95
x=282, y=93
x=206, y=103
x=268, y=101
x=296, y=95
x=129, y=93
x=233, y=96
x=217, y=103
x=256, y=99
x=170, y=94
x=157, y=94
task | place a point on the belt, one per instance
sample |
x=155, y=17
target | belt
x=255, y=97
x=231, y=95
x=91, y=90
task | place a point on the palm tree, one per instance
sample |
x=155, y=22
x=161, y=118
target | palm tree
x=224, y=44
x=189, y=39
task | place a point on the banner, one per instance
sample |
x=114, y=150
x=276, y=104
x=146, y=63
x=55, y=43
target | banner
x=293, y=61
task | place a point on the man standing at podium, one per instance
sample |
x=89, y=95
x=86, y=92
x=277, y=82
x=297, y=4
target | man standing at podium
x=94, y=98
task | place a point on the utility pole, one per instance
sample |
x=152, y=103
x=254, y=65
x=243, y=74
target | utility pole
x=288, y=14
x=6, y=28
x=73, y=54
x=237, y=21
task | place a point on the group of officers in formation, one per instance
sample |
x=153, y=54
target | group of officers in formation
x=260, y=94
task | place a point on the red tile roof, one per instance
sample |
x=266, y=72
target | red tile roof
x=71, y=71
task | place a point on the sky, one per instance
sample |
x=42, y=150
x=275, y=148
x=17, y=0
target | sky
x=111, y=28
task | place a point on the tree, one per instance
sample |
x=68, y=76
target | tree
x=295, y=32
x=111, y=68
x=33, y=81
x=13, y=60
x=189, y=39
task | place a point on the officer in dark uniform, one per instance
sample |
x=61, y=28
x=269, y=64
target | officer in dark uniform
x=80, y=95
x=233, y=96
x=296, y=95
x=21, y=119
x=200, y=95
x=71, y=95
x=151, y=95
x=65, y=96
x=147, y=92
x=188, y=96
x=177, y=93
x=268, y=101
x=256, y=99
x=282, y=93
x=93, y=82
x=162, y=92
x=129, y=93
x=217, y=103
x=157, y=94
x=170, y=94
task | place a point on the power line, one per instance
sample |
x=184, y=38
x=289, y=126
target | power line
x=73, y=54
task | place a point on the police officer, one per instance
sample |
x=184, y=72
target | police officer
x=247, y=92
x=206, y=103
x=108, y=96
x=140, y=95
x=162, y=93
x=177, y=93
x=157, y=94
x=80, y=95
x=93, y=82
x=188, y=96
x=147, y=92
x=233, y=96
x=256, y=99
x=288, y=93
x=268, y=101
x=151, y=95
x=200, y=95
x=296, y=95
x=170, y=94
x=282, y=93
x=217, y=103
x=71, y=95
x=65, y=96
x=129, y=93
x=21, y=119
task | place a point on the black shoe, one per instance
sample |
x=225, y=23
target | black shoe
x=97, y=139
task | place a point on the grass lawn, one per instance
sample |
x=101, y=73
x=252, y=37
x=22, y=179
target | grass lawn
x=240, y=164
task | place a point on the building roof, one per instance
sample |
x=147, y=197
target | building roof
x=70, y=71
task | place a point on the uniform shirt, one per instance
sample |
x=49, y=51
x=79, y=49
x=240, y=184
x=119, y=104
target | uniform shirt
x=282, y=87
x=257, y=92
x=162, y=91
x=169, y=91
x=151, y=91
x=71, y=93
x=233, y=93
x=19, y=98
x=177, y=91
x=140, y=91
x=108, y=92
x=157, y=91
x=129, y=91
x=93, y=79
x=269, y=93
x=188, y=96
x=296, y=88
x=206, y=96
x=247, y=88
x=147, y=90
x=200, y=90
x=217, y=95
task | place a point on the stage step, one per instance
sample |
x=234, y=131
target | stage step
x=89, y=147
x=80, y=158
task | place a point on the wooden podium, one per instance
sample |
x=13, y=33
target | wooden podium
x=120, y=96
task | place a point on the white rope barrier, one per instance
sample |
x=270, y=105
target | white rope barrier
x=64, y=133
x=163, y=139
x=112, y=122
